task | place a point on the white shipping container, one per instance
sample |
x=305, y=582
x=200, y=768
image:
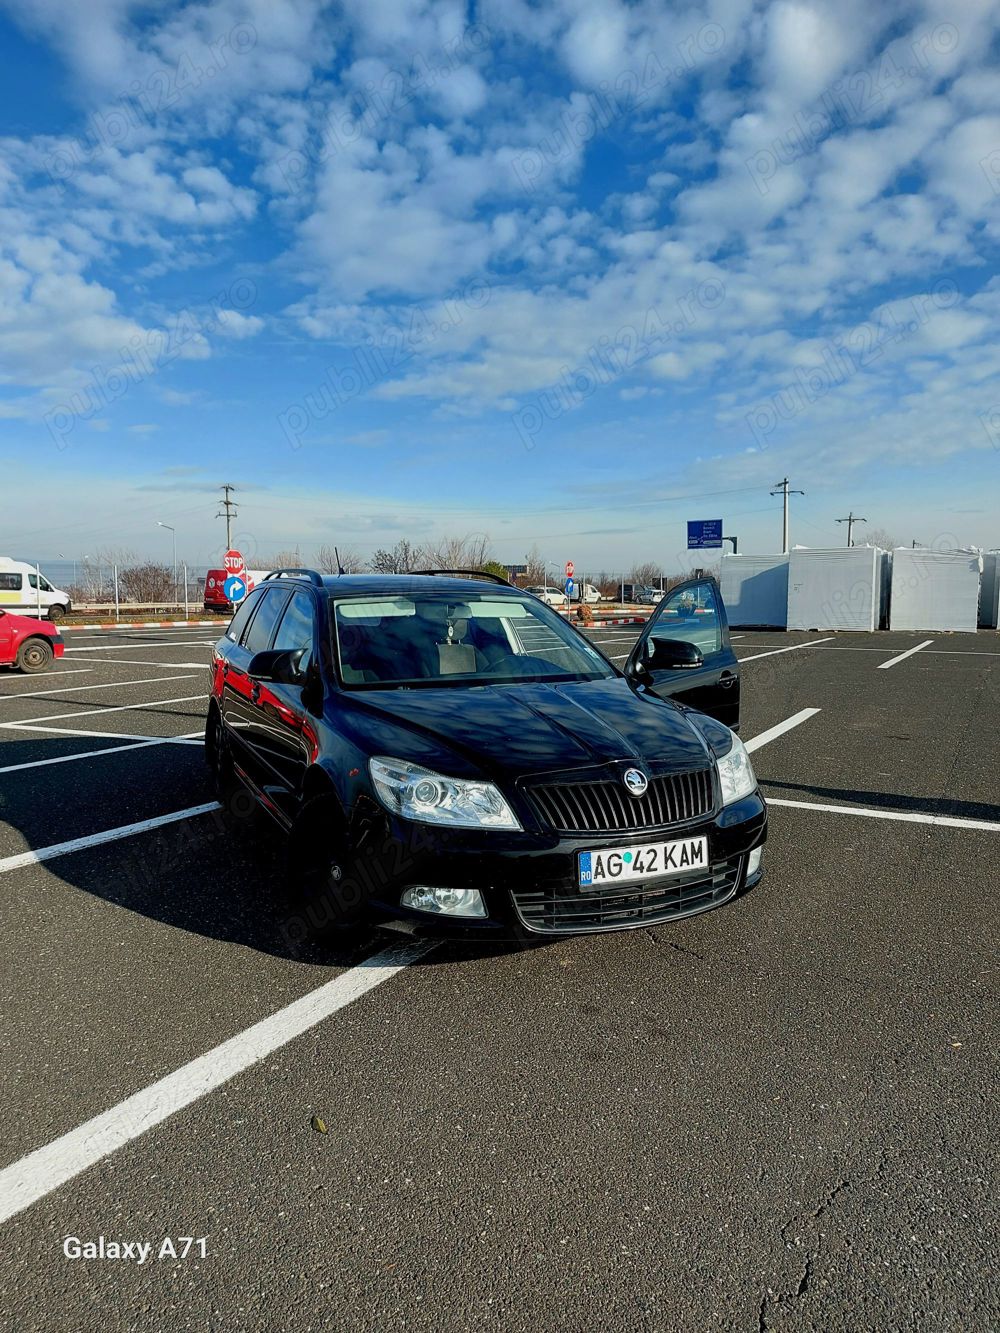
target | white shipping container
x=842, y=588
x=755, y=589
x=989, y=592
x=935, y=589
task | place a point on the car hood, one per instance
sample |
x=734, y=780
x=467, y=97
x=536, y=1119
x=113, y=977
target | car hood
x=31, y=625
x=526, y=729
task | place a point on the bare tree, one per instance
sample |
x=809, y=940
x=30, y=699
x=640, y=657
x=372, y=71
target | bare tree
x=327, y=562
x=647, y=575
x=880, y=537
x=402, y=559
x=284, y=560
x=469, y=552
x=146, y=583
x=535, y=573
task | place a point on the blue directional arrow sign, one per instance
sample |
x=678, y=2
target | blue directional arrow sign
x=570, y=588
x=234, y=589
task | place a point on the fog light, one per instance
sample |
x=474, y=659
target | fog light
x=444, y=902
x=753, y=865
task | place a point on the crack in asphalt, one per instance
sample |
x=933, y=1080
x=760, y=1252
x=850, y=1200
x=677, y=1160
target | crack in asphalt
x=782, y=1299
x=678, y=948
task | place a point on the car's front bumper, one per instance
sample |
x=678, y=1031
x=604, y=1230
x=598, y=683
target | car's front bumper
x=529, y=880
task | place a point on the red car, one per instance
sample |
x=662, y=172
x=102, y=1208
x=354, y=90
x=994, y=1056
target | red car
x=28, y=644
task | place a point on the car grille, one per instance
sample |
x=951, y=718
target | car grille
x=604, y=806
x=548, y=911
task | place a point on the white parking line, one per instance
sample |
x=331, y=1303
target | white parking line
x=30, y=680
x=54, y=849
x=93, y=754
x=102, y=735
x=773, y=733
x=794, y=649
x=131, y=647
x=135, y=661
x=884, y=666
x=108, y=685
x=906, y=816
x=116, y=708
x=44, y=1170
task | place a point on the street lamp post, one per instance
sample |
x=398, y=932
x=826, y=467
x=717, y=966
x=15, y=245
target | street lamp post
x=173, y=533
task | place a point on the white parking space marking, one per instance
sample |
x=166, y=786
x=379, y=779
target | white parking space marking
x=94, y=754
x=906, y=816
x=884, y=666
x=44, y=1170
x=133, y=647
x=104, y=735
x=117, y=708
x=108, y=685
x=30, y=680
x=794, y=649
x=38, y=854
x=774, y=732
x=135, y=661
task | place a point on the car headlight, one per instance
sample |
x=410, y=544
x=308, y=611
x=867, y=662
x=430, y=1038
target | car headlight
x=417, y=793
x=736, y=775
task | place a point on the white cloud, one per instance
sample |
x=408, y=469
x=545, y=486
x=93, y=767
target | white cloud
x=234, y=325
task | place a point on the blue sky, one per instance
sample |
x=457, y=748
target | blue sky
x=569, y=273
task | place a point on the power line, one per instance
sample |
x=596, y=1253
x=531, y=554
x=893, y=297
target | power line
x=850, y=520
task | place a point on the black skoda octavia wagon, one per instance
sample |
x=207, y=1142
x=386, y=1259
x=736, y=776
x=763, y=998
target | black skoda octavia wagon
x=450, y=750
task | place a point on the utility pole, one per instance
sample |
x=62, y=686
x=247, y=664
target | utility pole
x=173, y=533
x=228, y=512
x=850, y=520
x=781, y=488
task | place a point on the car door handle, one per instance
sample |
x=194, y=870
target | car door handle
x=728, y=678
x=255, y=693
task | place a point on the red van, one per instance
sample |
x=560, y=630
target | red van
x=27, y=643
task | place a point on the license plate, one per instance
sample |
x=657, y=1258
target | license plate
x=648, y=860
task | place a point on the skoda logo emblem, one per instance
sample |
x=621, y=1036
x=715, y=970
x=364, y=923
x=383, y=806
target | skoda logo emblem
x=635, y=781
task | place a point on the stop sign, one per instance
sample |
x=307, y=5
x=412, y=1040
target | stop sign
x=234, y=563
x=570, y=569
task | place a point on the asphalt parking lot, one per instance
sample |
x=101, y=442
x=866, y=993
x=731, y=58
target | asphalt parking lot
x=778, y=1115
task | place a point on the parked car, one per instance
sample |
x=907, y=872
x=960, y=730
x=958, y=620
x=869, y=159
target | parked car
x=454, y=752
x=28, y=644
x=551, y=596
x=647, y=595
x=24, y=589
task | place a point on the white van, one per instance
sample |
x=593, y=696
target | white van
x=28, y=593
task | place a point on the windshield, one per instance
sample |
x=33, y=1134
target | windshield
x=422, y=640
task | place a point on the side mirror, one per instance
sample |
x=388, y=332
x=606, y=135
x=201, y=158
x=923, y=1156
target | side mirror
x=672, y=655
x=277, y=666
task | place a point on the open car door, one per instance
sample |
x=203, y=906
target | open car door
x=684, y=652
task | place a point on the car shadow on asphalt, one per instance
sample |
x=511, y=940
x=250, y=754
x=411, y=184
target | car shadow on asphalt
x=219, y=875
x=880, y=800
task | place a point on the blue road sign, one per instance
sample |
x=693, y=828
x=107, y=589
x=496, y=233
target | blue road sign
x=570, y=588
x=703, y=532
x=234, y=589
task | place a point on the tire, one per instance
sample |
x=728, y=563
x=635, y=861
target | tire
x=34, y=655
x=319, y=868
x=55, y=614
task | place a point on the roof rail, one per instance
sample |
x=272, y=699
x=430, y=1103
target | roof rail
x=295, y=572
x=468, y=574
